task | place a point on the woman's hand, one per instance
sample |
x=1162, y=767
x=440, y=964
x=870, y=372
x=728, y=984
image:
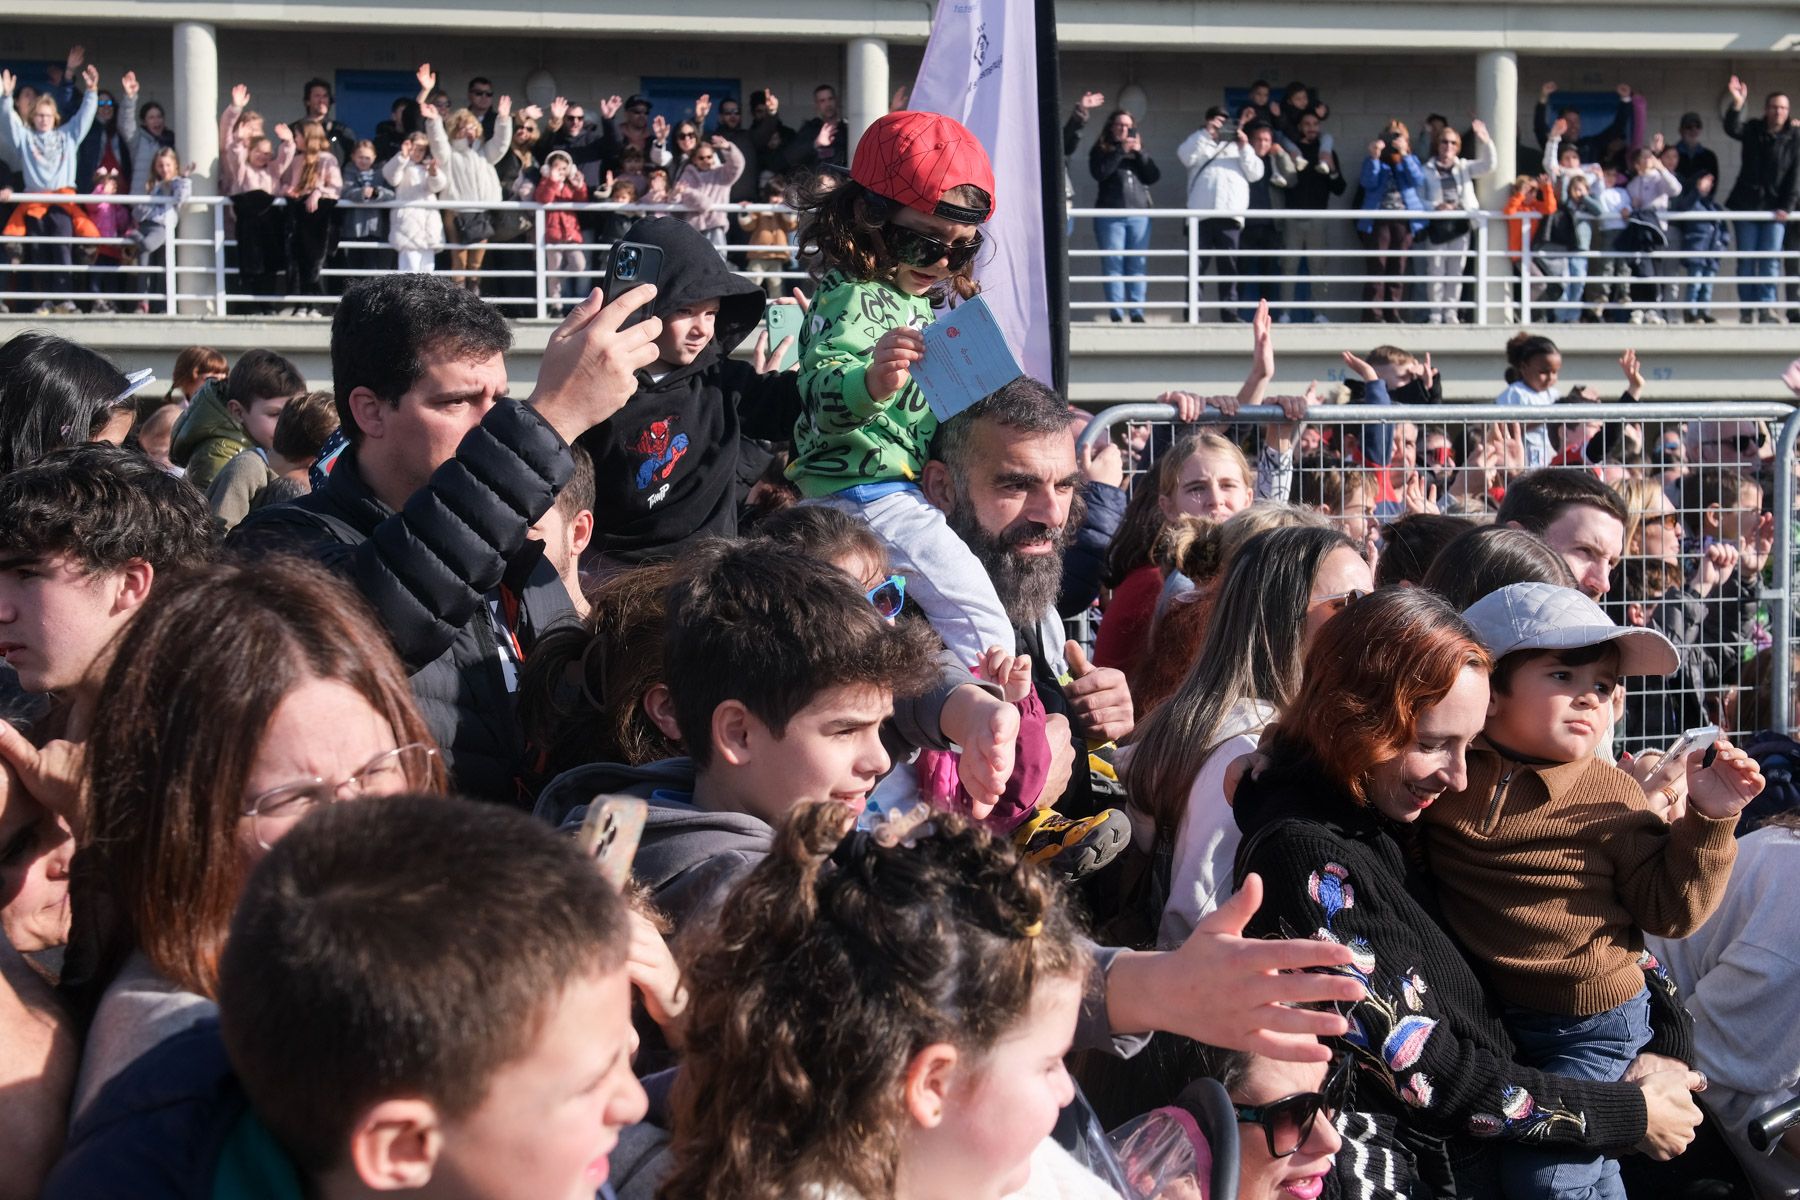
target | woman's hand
x=90, y=78
x=1634, y=374
x=659, y=128
x=702, y=106
x=284, y=133
x=1670, y=1112
x=505, y=106
x=891, y=364
x=426, y=76
x=128, y=83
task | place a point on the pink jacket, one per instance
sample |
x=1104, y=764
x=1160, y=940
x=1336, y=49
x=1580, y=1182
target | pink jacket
x=330, y=184
x=562, y=227
x=236, y=175
x=712, y=189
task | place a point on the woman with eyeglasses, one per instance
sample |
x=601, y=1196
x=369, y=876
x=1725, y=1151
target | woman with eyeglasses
x=1280, y=589
x=238, y=702
x=1118, y=163
x=1450, y=187
x=1394, y=690
x=1286, y=1137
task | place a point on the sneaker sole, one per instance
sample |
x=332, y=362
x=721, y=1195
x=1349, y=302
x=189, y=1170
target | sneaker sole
x=1094, y=852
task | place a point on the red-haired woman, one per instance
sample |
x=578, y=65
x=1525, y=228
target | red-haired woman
x=1395, y=688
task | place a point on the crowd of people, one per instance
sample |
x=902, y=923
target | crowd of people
x=291, y=185
x=678, y=782
x=1602, y=199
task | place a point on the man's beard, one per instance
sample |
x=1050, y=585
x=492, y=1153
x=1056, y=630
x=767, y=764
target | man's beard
x=1027, y=584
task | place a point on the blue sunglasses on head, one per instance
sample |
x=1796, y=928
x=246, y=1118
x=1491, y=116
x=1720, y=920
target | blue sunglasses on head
x=889, y=597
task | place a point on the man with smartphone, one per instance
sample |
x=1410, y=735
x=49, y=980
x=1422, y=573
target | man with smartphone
x=427, y=510
x=676, y=462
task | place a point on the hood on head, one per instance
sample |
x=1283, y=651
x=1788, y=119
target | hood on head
x=692, y=270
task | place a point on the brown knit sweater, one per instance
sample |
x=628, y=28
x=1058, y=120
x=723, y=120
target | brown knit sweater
x=1551, y=875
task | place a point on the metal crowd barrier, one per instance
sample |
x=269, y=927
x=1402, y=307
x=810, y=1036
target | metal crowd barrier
x=1735, y=462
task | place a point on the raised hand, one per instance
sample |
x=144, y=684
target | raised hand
x=1375, y=148
x=1360, y=367
x=426, y=76
x=702, y=106
x=284, y=133
x=1418, y=496
x=659, y=128
x=827, y=135
x=1092, y=100
x=774, y=104
x=559, y=108
x=1658, y=143
x=128, y=83
x=1756, y=545
x=1480, y=130
x=902, y=95
x=90, y=77
x=77, y=55
x=531, y=112
x=1262, y=341
x=240, y=96
x=610, y=106
x=1545, y=92
x=1740, y=91
x=1634, y=375
x=1791, y=377
x=505, y=106
x=1559, y=128
x=9, y=81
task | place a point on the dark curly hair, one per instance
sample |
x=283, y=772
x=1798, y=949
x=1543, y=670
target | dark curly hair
x=105, y=506
x=842, y=227
x=830, y=967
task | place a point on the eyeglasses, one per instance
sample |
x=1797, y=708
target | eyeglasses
x=914, y=249
x=889, y=597
x=729, y=112
x=1339, y=601
x=480, y=94
x=639, y=109
x=576, y=118
x=686, y=136
x=1287, y=1123
x=271, y=812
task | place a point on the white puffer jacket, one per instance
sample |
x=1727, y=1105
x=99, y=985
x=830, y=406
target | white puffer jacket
x=414, y=228
x=469, y=169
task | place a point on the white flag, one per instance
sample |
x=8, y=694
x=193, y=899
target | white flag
x=980, y=67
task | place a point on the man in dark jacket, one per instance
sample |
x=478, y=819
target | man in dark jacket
x=824, y=140
x=770, y=135
x=1594, y=145
x=428, y=508
x=1768, y=182
x=317, y=98
x=666, y=465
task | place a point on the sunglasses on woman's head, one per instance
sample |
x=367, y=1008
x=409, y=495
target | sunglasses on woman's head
x=889, y=597
x=914, y=249
x=1287, y=1123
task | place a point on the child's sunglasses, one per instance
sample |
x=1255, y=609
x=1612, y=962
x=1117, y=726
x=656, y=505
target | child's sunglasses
x=914, y=249
x=1288, y=1122
x=889, y=597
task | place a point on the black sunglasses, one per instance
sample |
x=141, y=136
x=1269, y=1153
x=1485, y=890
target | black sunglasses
x=639, y=109
x=1287, y=1123
x=484, y=93
x=914, y=249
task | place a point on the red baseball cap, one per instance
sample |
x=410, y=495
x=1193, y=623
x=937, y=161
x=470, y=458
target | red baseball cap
x=913, y=158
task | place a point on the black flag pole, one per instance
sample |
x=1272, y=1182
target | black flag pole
x=1056, y=240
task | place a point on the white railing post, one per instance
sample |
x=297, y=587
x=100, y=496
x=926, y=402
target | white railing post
x=541, y=284
x=1481, y=268
x=169, y=286
x=218, y=213
x=1524, y=269
x=1193, y=271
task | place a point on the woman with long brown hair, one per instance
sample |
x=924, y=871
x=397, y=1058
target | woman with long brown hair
x=312, y=183
x=239, y=699
x=1393, y=691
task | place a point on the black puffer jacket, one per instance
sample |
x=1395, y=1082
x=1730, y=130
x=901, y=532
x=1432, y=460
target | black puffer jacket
x=666, y=466
x=433, y=570
x=1769, y=178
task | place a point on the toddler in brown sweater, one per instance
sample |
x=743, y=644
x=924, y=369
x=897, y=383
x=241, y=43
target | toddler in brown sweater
x=1550, y=863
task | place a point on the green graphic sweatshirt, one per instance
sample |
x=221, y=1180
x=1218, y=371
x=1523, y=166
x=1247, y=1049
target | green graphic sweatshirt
x=844, y=437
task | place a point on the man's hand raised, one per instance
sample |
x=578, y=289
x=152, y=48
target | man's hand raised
x=588, y=371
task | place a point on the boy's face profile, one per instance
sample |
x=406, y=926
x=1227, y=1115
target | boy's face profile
x=1553, y=710
x=544, y=1129
x=830, y=750
x=57, y=617
x=259, y=417
x=686, y=332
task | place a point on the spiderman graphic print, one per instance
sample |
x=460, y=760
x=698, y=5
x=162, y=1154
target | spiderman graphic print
x=662, y=449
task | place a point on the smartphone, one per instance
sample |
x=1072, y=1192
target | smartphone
x=784, y=321
x=610, y=836
x=630, y=264
x=1692, y=740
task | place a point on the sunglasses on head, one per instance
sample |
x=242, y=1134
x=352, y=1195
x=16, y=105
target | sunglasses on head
x=1288, y=1122
x=889, y=597
x=914, y=249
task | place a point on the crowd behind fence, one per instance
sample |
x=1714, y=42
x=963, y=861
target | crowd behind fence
x=1494, y=274
x=1693, y=477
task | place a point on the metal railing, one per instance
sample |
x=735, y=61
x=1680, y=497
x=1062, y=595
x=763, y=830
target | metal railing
x=1181, y=276
x=202, y=270
x=1732, y=621
x=1483, y=277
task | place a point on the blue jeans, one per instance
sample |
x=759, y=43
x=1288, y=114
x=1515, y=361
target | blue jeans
x=1597, y=1047
x=1118, y=234
x=1700, y=288
x=1754, y=237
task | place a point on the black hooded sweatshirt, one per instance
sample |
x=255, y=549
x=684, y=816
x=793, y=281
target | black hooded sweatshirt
x=667, y=465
